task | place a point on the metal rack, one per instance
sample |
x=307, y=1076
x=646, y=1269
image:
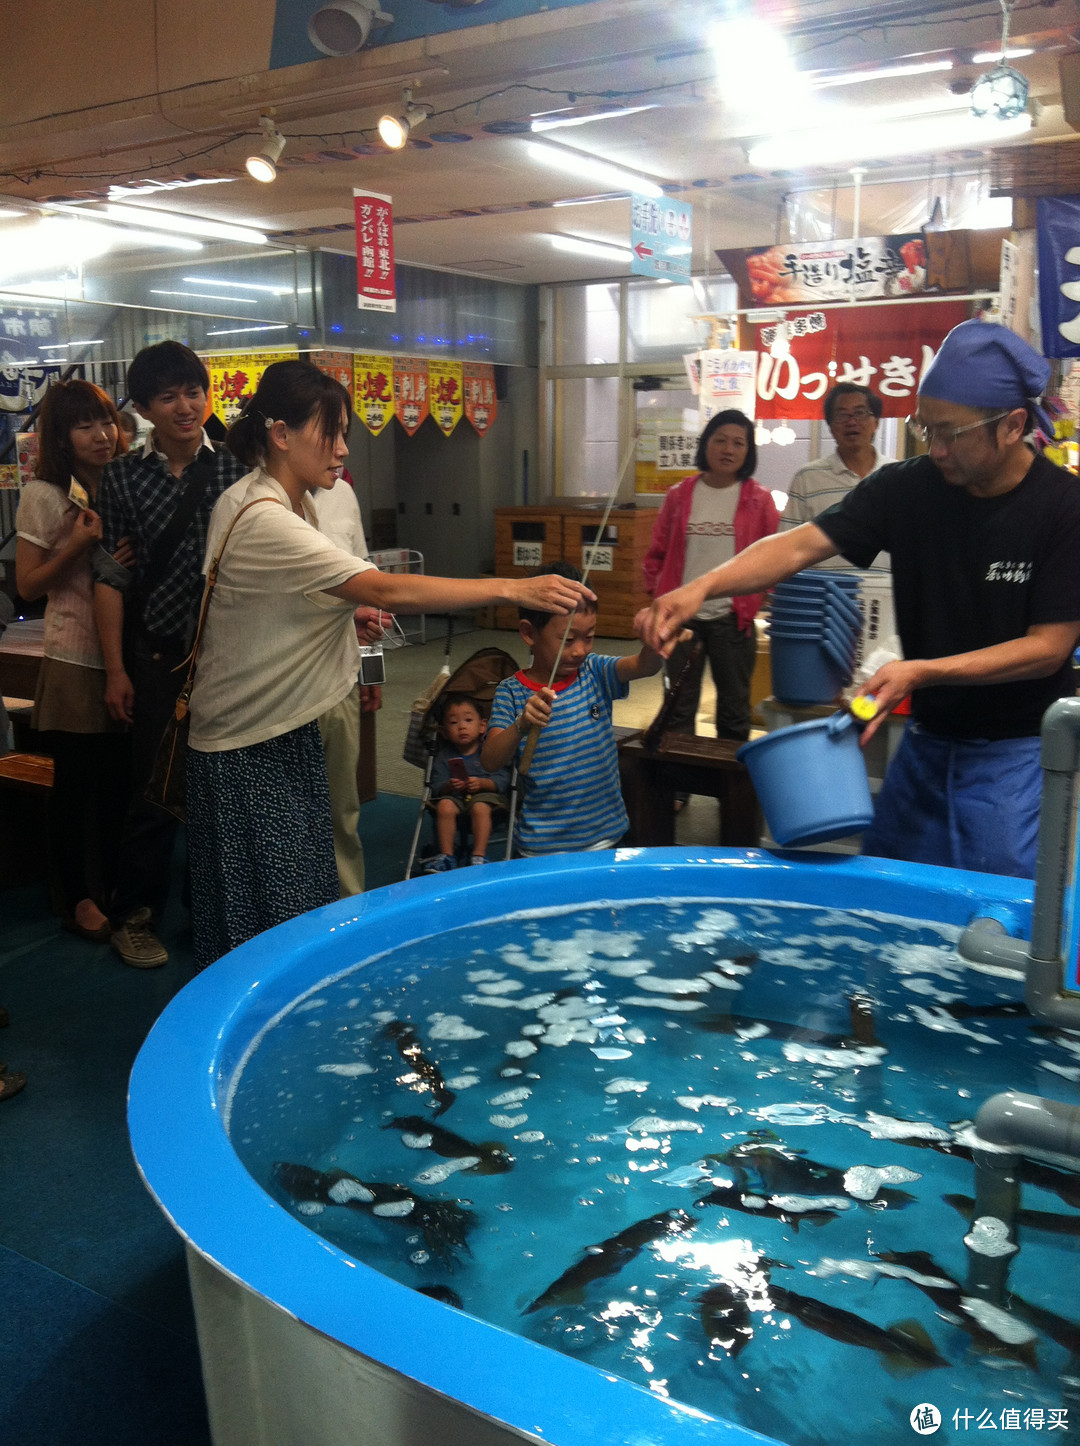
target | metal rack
x=403, y=559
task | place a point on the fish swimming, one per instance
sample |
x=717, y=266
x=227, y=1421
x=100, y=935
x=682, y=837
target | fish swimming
x=949, y=1297
x=441, y=1293
x=494, y=1158
x=725, y=1318
x=426, y=1074
x=861, y=1036
x=609, y=1257
x=761, y=1167
x=731, y=1197
x=1031, y=1219
x=1065, y=1332
x=1012, y=1009
x=443, y=1224
x=905, y=1346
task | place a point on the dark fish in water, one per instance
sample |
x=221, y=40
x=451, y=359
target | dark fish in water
x=494, y=1158
x=1060, y=1182
x=725, y=1318
x=442, y=1293
x=905, y=1346
x=610, y=1256
x=443, y=1224
x=948, y=1296
x=1031, y=1219
x=426, y=1074
x=762, y=1168
x=861, y=1036
x=731, y=1197
x=1065, y=1332
x=1012, y=1009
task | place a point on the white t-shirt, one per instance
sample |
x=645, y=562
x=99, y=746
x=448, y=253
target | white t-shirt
x=47, y=518
x=338, y=514
x=277, y=651
x=710, y=538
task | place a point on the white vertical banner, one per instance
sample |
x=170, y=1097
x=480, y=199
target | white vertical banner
x=728, y=379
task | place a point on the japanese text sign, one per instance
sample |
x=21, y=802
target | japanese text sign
x=446, y=401
x=885, y=348
x=373, y=391
x=1059, y=274
x=375, y=283
x=411, y=396
x=728, y=379
x=336, y=364
x=661, y=235
x=850, y=270
x=234, y=377
x=478, y=381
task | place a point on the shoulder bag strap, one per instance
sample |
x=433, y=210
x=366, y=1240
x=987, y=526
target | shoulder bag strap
x=161, y=554
x=208, y=591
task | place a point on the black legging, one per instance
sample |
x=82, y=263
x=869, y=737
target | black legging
x=91, y=787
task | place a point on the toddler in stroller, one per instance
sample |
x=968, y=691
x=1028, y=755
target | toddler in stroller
x=459, y=785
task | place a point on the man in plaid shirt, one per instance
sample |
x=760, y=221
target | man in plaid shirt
x=146, y=618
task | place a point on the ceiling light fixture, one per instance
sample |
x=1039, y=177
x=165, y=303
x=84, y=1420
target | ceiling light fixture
x=1002, y=93
x=151, y=188
x=886, y=72
x=129, y=215
x=235, y=330
x=261, y=165
x=63, y=345
x=395, y=126
x=801, y=149
x=584, y=120
x=207, y=296
x=985, y=57
x=238, y=285
x=95, y=222
x=581, y=247
x=343, y=27
x=592, y=168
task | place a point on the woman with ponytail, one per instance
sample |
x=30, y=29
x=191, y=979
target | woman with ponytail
x=279, y=648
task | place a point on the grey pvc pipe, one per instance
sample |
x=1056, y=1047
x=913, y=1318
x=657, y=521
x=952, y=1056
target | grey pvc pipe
x=1030, y=1125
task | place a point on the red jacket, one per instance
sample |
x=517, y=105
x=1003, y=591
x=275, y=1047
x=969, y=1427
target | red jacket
x=755, y=516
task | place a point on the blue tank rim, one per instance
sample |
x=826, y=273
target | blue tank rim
x=180, y=1079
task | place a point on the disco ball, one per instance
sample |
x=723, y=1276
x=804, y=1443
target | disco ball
x=1000, y=94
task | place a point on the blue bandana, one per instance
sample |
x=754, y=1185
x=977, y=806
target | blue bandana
x=981, y=364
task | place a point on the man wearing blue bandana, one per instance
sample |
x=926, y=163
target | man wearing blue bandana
x=984, y=536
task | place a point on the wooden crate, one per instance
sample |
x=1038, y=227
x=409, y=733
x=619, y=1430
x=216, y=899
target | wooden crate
x=525, y=538
x=616, y=575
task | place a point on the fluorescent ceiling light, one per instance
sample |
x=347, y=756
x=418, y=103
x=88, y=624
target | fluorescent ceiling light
x=127, y=214
x=581, y=247
x=590, y=200
x=10, y=212
x=584, y=120
x=991, y=57
x=118, y=235
x=867, y=142
x=235, y=330
x=63, y=345
x=206, y=296
x=886, y=72
x=591, y=168
x=237, y=285
x=755, y=71
x=151, y=188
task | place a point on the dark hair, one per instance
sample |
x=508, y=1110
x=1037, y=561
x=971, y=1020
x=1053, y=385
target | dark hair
x=66, y=405
x=731, y=418
x=851, y=389
x=167, y=364
x=292, y=392
x=561, y=568
x=456, y=700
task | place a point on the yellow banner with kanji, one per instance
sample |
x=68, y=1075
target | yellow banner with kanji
x=234, y=377
x=446, y=394
x=373, y=390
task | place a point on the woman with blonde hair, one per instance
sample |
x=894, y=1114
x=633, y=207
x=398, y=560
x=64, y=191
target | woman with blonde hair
x=58, y=529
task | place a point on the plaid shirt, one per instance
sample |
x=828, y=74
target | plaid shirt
x=136, y=499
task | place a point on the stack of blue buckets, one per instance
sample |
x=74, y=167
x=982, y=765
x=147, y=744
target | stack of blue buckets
x=813, y=636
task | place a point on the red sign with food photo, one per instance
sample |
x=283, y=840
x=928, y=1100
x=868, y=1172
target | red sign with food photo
x=849, y=270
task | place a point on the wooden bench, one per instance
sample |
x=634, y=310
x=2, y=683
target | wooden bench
x=688, y=764
x=25, y=783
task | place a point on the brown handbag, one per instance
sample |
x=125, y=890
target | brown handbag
x=167, y=786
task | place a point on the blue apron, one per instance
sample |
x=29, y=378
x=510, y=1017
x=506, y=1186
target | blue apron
x=964, y=803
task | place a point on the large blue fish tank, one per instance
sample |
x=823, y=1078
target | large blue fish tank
x=654, y=1146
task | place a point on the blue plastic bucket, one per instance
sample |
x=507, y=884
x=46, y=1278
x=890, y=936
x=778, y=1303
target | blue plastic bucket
x=810, y=780
x=803, y=673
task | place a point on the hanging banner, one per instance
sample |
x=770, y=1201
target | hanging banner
x=660, y=238
x=727, y=379
x=23, y=386
x=411, y=401
x=809, y=271
x=478, y=385
x=373, y=391
x=666, y=449
x=1059, y=274
x=375, y=284
x=885, y=348
x=446, y=405
x=234, y=377
x=336, y=364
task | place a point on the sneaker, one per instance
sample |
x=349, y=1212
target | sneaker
x=478, y=859
x=137, y=944
x=439, y=864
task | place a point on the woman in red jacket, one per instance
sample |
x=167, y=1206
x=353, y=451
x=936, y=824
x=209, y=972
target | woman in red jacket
x=704, y=521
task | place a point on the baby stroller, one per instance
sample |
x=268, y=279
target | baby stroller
x=477, y=677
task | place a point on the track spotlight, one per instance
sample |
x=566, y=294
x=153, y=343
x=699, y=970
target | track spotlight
x=394, y=127
x=343, y=27
x=262, y=164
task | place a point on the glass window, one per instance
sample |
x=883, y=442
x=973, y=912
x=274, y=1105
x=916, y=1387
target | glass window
x=586, y=436
x=659, y=325
x=587, y=325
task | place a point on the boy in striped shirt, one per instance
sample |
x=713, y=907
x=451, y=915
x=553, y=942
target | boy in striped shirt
x=570, y=797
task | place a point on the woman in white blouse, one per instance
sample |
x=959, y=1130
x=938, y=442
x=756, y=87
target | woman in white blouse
x=279, y=648
x=78, y=433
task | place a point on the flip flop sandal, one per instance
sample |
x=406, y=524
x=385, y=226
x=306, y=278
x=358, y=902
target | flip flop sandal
x=11, y=1084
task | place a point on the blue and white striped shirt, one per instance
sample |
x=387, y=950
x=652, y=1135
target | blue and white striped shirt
x=571, y=798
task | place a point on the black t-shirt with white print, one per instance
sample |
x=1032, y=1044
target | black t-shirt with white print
x=970, y=572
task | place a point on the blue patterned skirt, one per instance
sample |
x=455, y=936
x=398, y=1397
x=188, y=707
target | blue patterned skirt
x=260, y=838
